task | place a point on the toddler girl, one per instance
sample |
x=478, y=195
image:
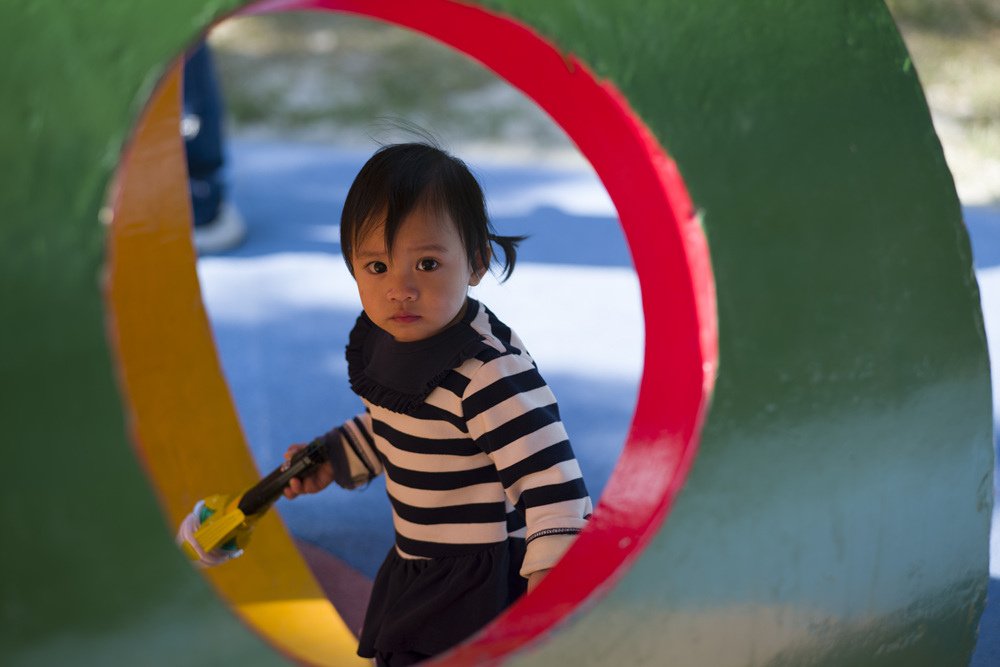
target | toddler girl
x=486, y=493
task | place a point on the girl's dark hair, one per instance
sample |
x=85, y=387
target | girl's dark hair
x=400, y=178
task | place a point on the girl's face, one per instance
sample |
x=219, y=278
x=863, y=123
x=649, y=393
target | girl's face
x=420, y=289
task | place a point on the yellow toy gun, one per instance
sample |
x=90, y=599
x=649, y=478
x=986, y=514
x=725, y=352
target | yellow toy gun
x=219, y=527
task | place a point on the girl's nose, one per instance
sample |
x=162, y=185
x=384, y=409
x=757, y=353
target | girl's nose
x=402, y=288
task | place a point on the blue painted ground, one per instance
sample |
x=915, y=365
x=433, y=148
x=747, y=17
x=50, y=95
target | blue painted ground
x=282, y=305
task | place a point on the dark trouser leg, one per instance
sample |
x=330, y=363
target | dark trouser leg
x=202, y=126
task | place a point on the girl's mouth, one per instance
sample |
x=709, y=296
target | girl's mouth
x=405, y=318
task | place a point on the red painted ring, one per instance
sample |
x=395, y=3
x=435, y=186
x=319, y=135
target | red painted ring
x=671, y=257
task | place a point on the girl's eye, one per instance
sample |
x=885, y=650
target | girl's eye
x=376, y=267
x=427, y=264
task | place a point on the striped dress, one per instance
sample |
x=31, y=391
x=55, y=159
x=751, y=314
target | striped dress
x=474, y=452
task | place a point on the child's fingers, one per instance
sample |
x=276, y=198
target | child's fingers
x=313, y=482
x=294, y=488
x=290, y=452
x=319, y=478
x=311, y=485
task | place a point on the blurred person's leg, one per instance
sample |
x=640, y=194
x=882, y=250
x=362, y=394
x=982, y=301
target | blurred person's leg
x=218, y=226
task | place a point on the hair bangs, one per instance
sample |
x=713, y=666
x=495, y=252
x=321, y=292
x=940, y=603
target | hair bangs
x=402, y=178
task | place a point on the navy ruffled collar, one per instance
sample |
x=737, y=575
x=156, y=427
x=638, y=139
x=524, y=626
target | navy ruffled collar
x=399, y=376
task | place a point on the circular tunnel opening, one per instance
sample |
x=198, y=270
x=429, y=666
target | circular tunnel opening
x=309, y=96
x=152, y=264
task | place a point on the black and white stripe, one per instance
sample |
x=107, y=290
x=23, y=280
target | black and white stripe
x=484, y=459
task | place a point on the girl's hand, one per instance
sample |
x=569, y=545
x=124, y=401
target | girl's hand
x=315, y=482
x=535, y=578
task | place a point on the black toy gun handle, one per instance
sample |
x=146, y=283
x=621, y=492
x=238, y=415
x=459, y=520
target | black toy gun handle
x=262, y=494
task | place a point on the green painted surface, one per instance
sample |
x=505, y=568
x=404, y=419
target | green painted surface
x=89, y=574
x=838, y=511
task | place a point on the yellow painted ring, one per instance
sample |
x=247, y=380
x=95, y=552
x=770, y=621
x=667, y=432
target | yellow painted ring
x=181, y=415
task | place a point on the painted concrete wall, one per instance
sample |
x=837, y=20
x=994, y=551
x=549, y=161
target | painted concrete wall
x=838, y=509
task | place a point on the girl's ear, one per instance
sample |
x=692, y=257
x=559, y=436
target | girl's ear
x=476, y=277
x=479, y=271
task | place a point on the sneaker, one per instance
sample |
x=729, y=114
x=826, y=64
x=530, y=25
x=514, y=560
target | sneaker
x=224, y=233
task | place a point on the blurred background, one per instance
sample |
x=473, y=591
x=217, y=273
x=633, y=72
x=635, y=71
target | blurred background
x=325, y=77
x=955, y=45
x=337, y=78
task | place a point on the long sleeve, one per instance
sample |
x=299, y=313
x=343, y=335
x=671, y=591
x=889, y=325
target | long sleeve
x=351, y=451
x=513, y=417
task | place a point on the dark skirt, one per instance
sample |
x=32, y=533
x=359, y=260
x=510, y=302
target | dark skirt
x=427, y=606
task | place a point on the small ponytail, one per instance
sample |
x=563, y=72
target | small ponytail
x=509, y=246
